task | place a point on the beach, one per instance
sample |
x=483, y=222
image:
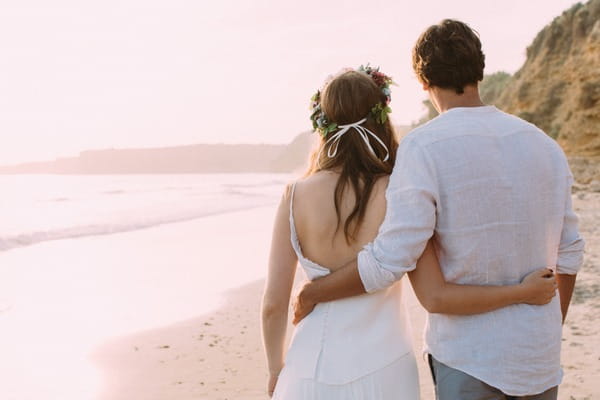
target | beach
x=218, y=355
x=61, y=301
x=172, y=312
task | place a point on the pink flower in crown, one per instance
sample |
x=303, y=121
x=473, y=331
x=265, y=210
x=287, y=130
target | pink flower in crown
x=380, y=78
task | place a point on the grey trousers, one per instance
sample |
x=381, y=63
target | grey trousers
x=452, y=384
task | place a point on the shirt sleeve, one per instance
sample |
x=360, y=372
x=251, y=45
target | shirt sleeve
x=570, y=250
x=409, y=222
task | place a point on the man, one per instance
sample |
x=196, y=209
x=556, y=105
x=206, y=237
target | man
x=494, y=194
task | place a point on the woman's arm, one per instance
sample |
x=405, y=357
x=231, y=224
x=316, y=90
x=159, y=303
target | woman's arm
x=276, y=297
x=439, y=296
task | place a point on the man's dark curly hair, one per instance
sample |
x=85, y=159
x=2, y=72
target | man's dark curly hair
x=448, y=55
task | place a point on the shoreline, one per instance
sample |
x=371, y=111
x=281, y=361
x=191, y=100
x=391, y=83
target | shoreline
x=127, y=316
x=62, y=299
x=79, y=232
x=217, y=355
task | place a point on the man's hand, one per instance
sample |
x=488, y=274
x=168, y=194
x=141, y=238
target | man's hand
x=302, y=303
x=345, y=282
x=271, y=383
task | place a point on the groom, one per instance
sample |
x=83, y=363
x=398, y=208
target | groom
x=494, y=193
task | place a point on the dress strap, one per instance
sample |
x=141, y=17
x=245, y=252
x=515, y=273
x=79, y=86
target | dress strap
x=292, y=198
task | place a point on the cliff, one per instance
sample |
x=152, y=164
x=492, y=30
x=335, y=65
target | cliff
x=558, y=87
x=205, y=158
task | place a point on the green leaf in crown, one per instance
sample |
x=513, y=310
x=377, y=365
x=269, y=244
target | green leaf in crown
x=380, y=113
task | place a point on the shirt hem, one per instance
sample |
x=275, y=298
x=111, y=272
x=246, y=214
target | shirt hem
x=507, y=391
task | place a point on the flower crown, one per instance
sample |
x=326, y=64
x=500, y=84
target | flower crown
x=379, y=112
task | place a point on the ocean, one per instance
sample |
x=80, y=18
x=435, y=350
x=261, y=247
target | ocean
x=38, y=208
x=62, y=299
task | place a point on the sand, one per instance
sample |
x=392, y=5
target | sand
x=218, y=355
x=136, y=316
x=214, y=356
x=581, y=334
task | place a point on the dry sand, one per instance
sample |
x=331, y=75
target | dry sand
x=581, y=334
x=218, y=356
x=214, y=356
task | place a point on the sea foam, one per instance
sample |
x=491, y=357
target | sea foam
x=38, y=208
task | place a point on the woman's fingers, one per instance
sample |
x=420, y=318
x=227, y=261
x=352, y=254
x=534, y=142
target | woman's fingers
x=541, y=286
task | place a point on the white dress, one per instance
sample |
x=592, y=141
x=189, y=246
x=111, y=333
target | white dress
x=357, y=348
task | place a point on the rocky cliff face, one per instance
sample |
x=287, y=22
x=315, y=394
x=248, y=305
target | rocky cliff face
x=558, y=87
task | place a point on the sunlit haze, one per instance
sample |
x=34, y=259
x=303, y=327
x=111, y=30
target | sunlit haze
x=131, y=73
x=139, y=274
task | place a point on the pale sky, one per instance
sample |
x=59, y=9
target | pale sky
x=77, y=75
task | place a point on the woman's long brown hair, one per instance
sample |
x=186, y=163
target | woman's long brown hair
x=348, y=98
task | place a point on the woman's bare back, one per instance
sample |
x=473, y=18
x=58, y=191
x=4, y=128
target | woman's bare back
x=316, y=219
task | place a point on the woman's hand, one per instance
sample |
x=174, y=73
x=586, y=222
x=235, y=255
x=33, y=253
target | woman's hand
x=271, y=382
x=539, y=287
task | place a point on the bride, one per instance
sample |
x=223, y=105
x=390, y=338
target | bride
x=359, y=347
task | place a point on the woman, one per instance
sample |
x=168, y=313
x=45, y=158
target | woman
x=355, y=348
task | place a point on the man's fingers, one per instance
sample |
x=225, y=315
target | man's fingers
x=297, y=319
x=298, y=316
x=300, y=312
x=301, y=308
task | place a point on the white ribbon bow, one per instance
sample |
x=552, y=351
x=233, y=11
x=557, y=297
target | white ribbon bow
x=362, y=131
